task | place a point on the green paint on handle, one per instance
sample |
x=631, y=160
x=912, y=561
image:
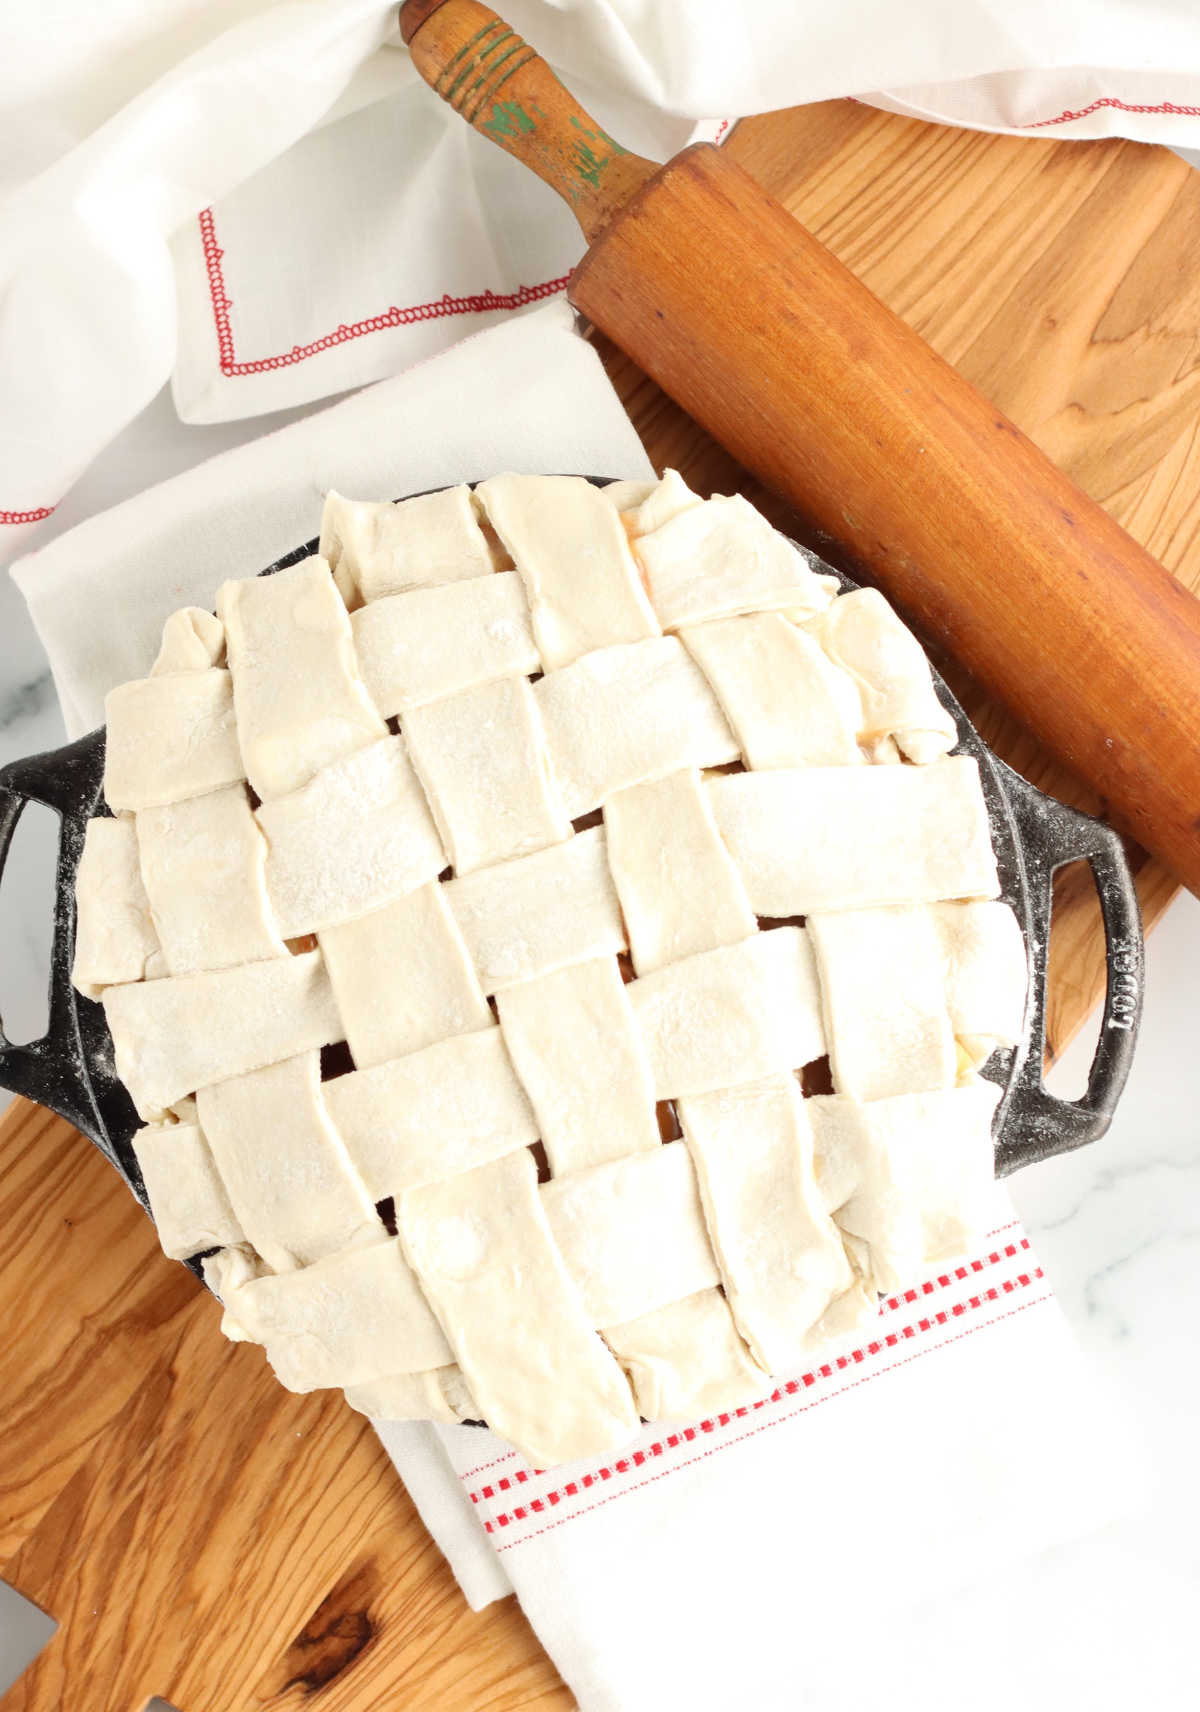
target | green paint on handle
x=588, y=163
x=598, y=135
x=509, y=119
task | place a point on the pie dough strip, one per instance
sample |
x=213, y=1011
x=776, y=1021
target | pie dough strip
x=375, y=550
x=285, y=1168
x=192, y=641
x=114, y=934
x=909, y=1176
x=986, y=974
x=622, y=716
x=354, y=1318
x=403, y=978
x=300, y=702
x=883, y=992
x=540, y=913
x=662, y=501
x=722, y=557
x=203, y=864
x=354, y=838
x=482, y=758
x=439, y=1394
x=680, y=894
x=632, y=1233
x=225, y=1272
x=679, y=888
x=483, y=1249
x=686, y=1362
x=188, y=1202
x=732, y=1015
x=627, y=495
x=860, y=633
x=170, y=737
x=846, y=838
x=780, y=1255
x=583, y=1115
x=573, y=555
x=575, y=1046
x=420, y=647
x=444, y=1110
x=184, y=1032
x=787, y=704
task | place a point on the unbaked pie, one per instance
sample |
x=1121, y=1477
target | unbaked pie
x=483, y=898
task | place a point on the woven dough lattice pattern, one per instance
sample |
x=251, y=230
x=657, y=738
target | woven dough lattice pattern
x=586, y=818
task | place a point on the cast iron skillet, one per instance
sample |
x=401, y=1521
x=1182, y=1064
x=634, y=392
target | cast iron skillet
x=71, y=1068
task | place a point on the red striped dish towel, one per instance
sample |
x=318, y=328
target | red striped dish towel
x=960, y=1435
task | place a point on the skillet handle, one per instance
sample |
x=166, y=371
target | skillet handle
x=1039, y=1124
x=57, y=1070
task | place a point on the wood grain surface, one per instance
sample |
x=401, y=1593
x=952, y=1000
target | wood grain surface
x=200, y=1533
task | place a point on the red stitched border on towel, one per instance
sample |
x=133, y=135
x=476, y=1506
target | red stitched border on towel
x=26, y=516
x=477, y=303
x=1068, y=117
x=826, y=1370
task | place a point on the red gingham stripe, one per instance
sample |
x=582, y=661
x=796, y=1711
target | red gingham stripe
x=764, y=1426
x=478, y=303
x=26, y=516
x=826, y=1370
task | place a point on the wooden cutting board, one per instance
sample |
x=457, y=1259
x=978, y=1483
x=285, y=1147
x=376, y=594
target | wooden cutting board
x=203, y=1535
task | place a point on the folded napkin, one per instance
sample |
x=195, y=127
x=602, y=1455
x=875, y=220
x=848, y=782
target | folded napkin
x=716, y=1563
x=262, y=199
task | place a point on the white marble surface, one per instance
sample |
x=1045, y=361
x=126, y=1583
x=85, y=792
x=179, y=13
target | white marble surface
x=1105, y=1622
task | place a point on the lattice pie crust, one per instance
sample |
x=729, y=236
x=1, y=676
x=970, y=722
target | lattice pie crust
x=587, y=818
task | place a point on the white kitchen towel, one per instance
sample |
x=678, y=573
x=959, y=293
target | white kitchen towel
x=740, y=1560
x=719, y=1563
x=261, y=198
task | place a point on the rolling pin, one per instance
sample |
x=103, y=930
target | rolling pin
x=769, y=342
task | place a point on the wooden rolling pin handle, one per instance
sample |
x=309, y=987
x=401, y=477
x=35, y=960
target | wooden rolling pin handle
x=763, y=337
x=506, y=92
